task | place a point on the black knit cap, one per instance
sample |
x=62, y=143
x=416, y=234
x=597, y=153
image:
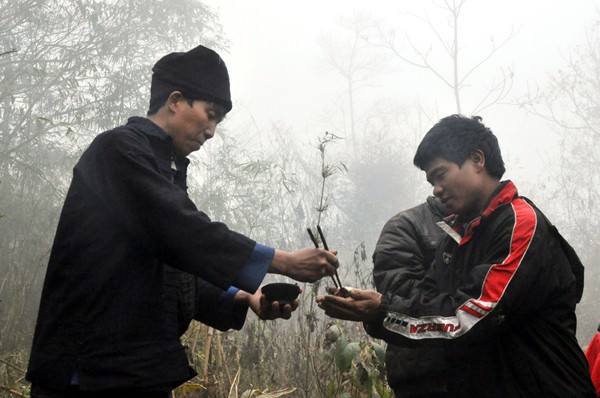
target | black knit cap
x=199, y=74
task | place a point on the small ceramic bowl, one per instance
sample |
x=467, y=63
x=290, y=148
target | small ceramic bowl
x=285, y=293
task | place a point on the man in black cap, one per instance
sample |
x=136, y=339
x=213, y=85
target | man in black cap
x=134, y=260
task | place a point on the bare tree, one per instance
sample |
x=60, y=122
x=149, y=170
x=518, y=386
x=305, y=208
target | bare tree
x=570, y=103
x=348, y=55
x=455, y=78
x=381, y=179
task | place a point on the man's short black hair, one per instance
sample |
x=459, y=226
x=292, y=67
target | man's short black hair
x=454, y=138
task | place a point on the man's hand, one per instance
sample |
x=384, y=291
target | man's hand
x=264, y=309
x=351, y=304
x=305, y=265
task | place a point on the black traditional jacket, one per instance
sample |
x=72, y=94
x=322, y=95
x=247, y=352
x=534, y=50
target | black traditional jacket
x=106, y=315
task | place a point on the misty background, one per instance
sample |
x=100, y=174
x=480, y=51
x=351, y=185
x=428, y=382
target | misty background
x=330, y=101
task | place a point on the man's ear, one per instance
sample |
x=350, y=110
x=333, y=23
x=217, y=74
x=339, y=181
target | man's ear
x=174, y=98
x=478, y=159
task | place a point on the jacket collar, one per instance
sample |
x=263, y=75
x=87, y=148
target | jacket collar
x=148, y=128
x=503, y=195
x=158, y=137
x=437, y=207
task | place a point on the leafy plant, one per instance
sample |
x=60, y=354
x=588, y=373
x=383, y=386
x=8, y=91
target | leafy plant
x=359, y=366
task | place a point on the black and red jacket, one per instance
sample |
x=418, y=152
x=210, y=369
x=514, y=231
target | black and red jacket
x=500, y=296
x=592, y=354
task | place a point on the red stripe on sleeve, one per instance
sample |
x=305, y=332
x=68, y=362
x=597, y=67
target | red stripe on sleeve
x=500, y=275
x=471, y=311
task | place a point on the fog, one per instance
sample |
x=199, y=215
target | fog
x=330, y=100
x=280, y=71
x=281, y=59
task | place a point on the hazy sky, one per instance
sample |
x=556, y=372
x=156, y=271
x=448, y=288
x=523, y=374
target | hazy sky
x=279, y=73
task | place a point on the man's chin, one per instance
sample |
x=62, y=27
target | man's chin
x=448, y=205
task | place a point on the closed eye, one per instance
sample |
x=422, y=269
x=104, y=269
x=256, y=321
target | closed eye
x=215, y=113
x=436, y=176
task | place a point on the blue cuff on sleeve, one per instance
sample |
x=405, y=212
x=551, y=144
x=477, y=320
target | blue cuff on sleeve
x=226, y=299
x=256, y=268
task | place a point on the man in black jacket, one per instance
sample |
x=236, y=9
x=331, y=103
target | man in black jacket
x=134, y=260
x=404, y=252
x=501, y=293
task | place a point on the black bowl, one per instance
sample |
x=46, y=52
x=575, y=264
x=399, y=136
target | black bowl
x=285, y=293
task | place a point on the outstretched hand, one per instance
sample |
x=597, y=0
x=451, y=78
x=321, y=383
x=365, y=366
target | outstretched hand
x=266, y=310
x=305, y=265
x=350, y=304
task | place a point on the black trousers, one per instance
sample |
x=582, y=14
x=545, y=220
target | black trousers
x=74, y=392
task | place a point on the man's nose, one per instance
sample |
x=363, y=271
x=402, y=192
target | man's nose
x=437, y=191
x=210, y=131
